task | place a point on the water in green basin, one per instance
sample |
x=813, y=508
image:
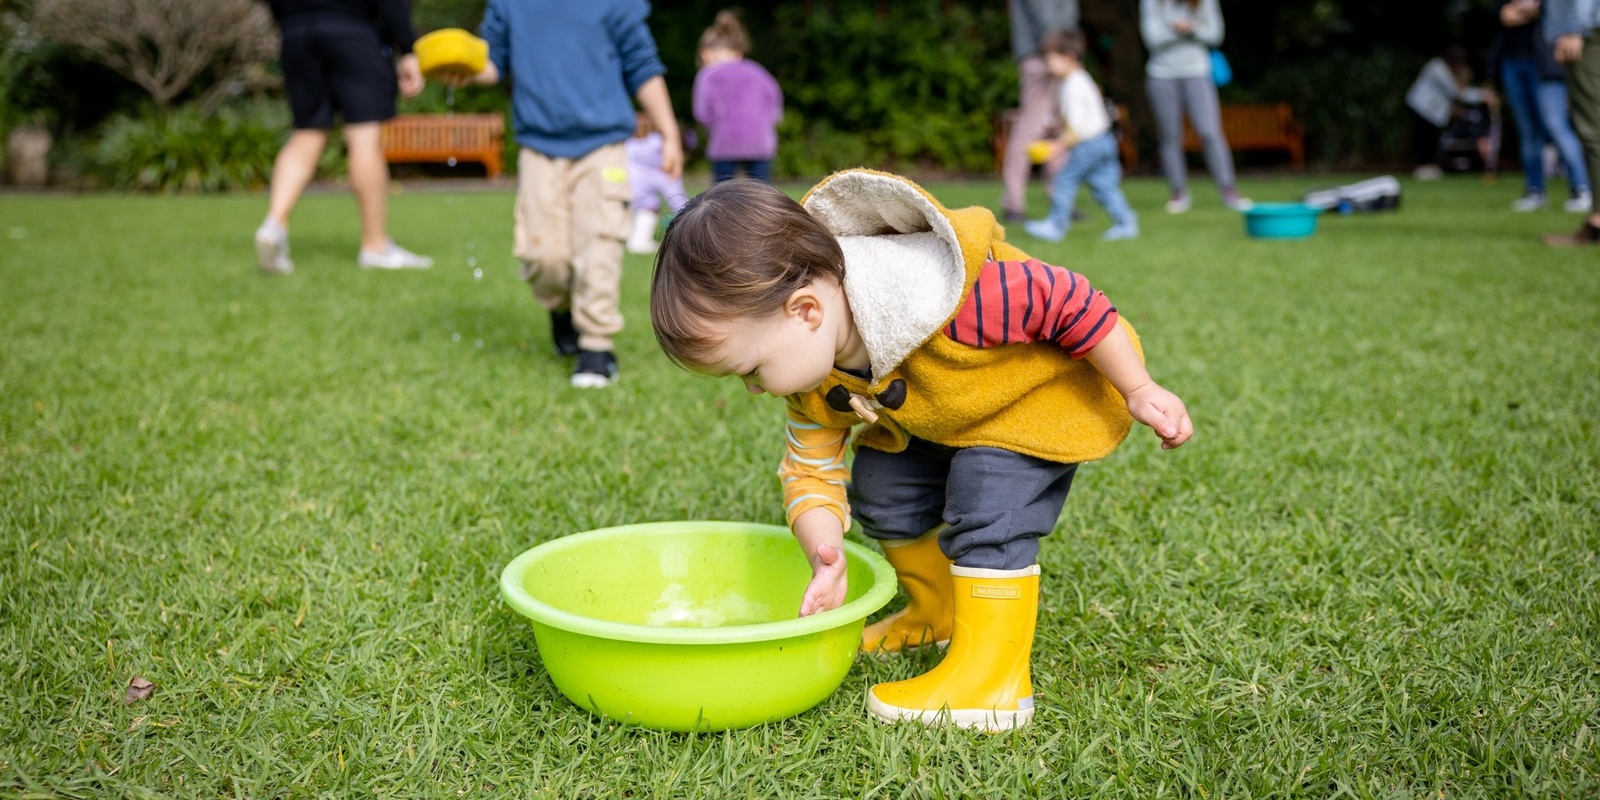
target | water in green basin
x=677, y=608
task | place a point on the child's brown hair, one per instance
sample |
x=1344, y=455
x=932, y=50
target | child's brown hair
x=739, y=249
x=727, y=32
x=1063, y=42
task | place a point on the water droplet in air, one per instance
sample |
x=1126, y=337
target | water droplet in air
x=478, y=344
x=472, y=261
x=451, y=161
x=455, y=337
x=477, y=274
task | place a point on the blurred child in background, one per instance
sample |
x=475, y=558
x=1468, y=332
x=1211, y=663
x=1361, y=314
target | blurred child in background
x=650, y=186
x=1094, y=147
x=576, y=70
x=738, y=101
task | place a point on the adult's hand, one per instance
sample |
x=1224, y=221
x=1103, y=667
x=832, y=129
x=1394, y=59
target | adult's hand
x=455, y=79
x=410, y=74
x=1569, y=48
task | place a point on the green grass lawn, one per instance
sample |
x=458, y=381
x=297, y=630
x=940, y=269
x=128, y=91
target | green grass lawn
x=286, y=502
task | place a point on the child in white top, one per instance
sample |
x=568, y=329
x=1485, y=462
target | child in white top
x=1094, y=147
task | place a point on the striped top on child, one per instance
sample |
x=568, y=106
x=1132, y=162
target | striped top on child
x=1014, y=302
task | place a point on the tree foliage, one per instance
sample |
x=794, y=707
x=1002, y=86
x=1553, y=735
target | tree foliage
x=164, y=45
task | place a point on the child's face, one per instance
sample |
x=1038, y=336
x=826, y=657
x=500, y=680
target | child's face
x=1059, y=65
x=718, y=55
x=780, y=354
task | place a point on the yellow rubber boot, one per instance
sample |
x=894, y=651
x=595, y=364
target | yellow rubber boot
x=983, y=681
x=924, y=573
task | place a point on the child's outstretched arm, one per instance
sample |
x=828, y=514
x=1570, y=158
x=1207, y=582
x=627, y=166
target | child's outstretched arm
x=814, y=476
x=1051, y=303
x=1148, y=401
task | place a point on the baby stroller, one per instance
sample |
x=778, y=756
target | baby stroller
x=1472, y=139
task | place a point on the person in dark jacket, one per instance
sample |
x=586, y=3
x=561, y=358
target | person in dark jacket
x=346, y=58
x=1536, y=90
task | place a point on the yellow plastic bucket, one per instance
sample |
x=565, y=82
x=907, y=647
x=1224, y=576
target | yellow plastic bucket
x=451, y=51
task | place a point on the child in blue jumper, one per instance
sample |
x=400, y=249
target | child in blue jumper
x=1094, y=147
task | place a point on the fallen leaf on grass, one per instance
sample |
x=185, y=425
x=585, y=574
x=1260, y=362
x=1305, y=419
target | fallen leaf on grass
x=138, y=689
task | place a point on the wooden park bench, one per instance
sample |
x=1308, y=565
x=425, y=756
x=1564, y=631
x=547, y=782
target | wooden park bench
x=1267, y=126
x=447, y=138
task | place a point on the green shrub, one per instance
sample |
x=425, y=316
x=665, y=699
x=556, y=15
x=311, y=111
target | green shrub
x=185, y=151
x=912, y=84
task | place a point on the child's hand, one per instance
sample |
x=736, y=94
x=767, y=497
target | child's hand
x=1163, y=411
x=828, y=581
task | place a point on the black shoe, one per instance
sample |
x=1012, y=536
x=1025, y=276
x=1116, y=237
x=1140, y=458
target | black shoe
x=596, y=369
x=564, y=334
x=1016, y=216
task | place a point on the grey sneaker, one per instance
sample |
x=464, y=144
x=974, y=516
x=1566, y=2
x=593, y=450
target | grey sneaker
x=1579, y=202
x=1179, y=203
x=393, y=257
x=596, y=369
x=272, y=250
x=1532, y=201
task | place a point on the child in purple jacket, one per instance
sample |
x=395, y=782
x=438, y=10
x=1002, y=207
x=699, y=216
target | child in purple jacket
x=738, y=101
x=650, y=185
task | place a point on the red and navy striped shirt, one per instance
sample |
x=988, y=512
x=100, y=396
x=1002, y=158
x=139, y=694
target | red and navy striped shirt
x=1030, y=301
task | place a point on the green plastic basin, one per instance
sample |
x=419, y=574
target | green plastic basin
x=690, y=625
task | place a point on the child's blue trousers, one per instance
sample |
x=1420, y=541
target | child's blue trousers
x=996, y=502
x=1094, y=162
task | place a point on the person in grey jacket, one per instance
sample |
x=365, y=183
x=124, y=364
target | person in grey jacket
x=1039, y=108
x=1180, y=35
x=1572, y=28
x=1443, y=84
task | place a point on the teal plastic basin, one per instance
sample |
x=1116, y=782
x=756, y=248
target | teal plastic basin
x=1281, y=221
x=690, y=625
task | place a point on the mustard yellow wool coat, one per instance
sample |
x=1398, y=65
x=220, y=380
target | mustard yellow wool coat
x=1027, y=398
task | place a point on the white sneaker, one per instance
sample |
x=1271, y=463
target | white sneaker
x=642, y=237
x=272, y=249
x=393, y=257
x=1579, y=203
x=1179, y=203
x=1428, y=172
x=1532, y=201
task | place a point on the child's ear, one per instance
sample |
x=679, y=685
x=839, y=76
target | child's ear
x=805, y=305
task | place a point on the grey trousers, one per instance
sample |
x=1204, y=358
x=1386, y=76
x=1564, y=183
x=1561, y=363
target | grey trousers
x=1170, y=99
x=996, y=502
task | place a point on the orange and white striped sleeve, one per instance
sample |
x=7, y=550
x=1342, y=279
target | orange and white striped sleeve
x=813, y=469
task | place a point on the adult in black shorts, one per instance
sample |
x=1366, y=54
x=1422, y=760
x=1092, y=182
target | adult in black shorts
x=338, y=59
